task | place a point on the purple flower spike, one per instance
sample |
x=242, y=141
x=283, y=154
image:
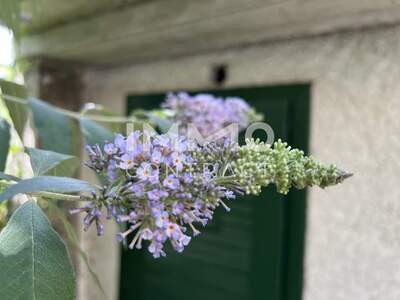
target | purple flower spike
x=161, y=191
x=208, y=114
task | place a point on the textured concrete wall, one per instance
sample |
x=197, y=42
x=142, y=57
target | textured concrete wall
x=353, y=232
x=103, y=254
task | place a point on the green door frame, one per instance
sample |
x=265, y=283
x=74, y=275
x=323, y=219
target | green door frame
x=294, y=218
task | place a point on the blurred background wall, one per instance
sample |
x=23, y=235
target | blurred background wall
x=352, y=240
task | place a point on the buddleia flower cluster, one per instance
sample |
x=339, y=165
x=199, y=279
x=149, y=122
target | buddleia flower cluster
x=165, y=188
x=208, y=113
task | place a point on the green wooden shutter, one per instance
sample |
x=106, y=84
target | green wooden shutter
x=253, y=252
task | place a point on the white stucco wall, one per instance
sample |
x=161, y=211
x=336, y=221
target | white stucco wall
x=353, y=231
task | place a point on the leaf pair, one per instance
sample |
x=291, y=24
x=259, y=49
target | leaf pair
x=59, y=134
x=45, y=162
x=33, y=258
x=34, y=261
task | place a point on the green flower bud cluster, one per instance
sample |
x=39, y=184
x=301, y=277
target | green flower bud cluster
x=254, y=116
x=258, y=164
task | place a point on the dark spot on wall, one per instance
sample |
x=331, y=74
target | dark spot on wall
x=219, y=74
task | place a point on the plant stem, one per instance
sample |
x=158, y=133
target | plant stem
x=57, y=196
x=75, y=115
x=46, y=195
x=224, y=179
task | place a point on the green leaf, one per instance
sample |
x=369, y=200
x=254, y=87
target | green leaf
x=18, y=111
x=4, y=176
x=98, y=110
x=5, y=137
x=160, y=119
x=95, y=133
x=55, y=130
x=10, y=16
x=52, y=163
x=34, y=261
x=73, y=238
x=47, y=184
